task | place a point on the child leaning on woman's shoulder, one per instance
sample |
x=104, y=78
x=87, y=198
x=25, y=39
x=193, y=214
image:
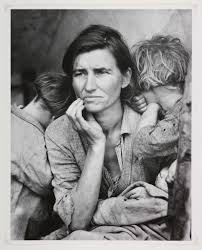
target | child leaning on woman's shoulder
x=162, y=64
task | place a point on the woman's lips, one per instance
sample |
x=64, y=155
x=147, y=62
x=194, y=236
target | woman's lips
x=91, y=98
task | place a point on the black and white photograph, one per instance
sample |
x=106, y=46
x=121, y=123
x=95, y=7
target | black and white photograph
x=101, y=124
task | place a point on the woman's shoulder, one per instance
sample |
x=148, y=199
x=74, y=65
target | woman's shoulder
x=130, y=114
x=61, y=129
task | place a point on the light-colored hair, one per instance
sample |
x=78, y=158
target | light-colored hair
x=162, y=60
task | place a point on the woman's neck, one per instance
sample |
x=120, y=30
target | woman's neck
x=111, y=118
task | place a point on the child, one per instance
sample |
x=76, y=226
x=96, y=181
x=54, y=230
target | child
x=30, y=170
x=162, y=63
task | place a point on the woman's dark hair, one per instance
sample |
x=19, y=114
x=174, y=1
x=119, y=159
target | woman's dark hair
x=53, y=90
x=101, y=37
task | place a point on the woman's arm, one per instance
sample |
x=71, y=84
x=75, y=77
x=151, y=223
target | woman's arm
x=86, y=195
x=87, y=191
x=76, y=192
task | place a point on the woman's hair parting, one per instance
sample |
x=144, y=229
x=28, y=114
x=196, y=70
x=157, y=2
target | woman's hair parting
x=163, y=60
x=100, y=37
x=53, y=90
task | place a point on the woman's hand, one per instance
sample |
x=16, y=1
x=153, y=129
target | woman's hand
x=89, y=127
x=86, y=193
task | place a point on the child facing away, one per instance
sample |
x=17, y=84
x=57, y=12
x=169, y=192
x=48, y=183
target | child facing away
x=162, y=64
x=31, y=190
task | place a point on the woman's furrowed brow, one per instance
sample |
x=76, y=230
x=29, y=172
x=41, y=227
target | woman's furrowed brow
x=78, y=69
x=102, y=68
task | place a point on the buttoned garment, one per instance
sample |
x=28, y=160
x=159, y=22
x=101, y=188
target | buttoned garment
x=67, y=151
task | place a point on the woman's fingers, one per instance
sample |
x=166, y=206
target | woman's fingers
x=81, y=121
x=72, y=107
x=90, y=127
x=89, y=117
x=74, y=112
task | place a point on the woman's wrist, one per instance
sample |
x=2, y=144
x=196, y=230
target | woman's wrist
x=98, y=145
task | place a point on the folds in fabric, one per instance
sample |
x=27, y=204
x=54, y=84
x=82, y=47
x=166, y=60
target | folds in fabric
x=123, y=210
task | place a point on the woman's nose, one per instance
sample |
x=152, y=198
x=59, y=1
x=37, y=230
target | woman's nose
x=90, y=82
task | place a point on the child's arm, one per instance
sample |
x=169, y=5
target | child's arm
x=150, y=116
x=159, y=139
x=150, y=111
x=138, y=103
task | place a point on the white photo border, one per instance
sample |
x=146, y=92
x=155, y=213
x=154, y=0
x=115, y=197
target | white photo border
x=5, y=96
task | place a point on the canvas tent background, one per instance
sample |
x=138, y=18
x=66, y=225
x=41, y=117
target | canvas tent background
x=40, y=37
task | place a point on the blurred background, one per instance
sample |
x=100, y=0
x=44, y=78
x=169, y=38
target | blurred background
x=39, y=37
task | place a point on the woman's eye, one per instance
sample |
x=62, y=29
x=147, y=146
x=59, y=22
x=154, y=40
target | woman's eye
x=101, y=72
x=76, y=74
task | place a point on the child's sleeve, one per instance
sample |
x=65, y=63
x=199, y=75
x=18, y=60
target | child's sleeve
x=158, y=140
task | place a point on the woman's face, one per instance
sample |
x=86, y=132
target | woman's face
x=97, y=80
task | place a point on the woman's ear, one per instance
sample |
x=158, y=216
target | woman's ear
x=126, y=78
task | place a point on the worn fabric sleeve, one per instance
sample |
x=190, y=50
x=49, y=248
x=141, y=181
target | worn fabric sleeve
x=33, y=170
x=159, y=140
x=123, y=210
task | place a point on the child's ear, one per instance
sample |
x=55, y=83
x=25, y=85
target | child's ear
x=126, y=78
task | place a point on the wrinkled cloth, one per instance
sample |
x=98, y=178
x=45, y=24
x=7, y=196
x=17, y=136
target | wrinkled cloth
x=125, y=218
x=30, y=175
x=151, y=231
x=127, y=211
x=58, y=234
x=161, y=139
x=67, y=151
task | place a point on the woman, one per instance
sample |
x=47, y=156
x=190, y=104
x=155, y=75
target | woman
x=90, y=148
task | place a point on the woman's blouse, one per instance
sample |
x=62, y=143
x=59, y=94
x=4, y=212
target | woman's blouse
x=67, y=151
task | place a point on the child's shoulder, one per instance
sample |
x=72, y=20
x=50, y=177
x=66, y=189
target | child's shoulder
x=174, y=113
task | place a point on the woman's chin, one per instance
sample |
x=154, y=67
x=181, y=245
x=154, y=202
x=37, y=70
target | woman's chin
x=93, y=108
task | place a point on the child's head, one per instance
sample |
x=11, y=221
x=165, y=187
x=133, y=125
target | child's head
x=161, y=61
x=53, y=93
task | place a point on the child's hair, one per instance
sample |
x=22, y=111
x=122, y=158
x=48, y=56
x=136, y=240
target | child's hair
x=53, y=92
x=163, y=60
